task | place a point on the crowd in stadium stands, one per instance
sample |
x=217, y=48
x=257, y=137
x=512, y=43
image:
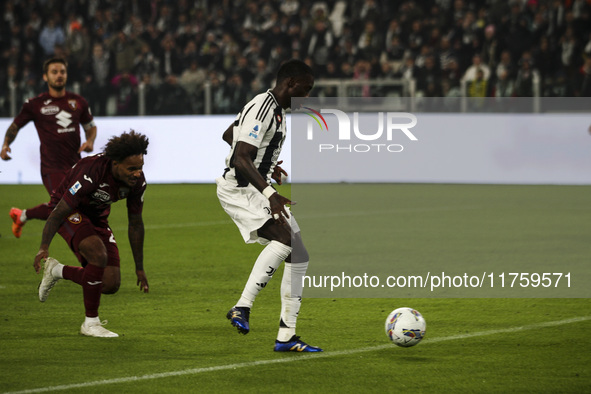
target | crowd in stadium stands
x=175, y=46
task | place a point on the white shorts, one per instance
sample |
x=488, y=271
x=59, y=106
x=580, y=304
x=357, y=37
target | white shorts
x=249, y=209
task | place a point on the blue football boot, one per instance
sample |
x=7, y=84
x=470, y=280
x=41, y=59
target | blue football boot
x=238, y=316
x=295, y=345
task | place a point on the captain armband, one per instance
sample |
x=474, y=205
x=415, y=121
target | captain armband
x=89, y=125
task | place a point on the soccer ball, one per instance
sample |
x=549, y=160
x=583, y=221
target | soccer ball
x=405, y=327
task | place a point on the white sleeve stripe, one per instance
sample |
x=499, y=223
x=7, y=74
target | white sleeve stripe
x=262, y=114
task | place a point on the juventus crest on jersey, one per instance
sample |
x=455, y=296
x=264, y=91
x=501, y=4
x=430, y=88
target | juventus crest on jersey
x=261, y=123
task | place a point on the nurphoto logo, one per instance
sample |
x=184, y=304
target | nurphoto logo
x=361, y=128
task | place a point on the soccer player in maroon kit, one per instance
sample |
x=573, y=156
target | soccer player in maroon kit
x=82, y=205
x=57, y=115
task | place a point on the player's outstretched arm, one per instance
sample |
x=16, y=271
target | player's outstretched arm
x=53, y=223
x=136, y=241
x=8, y=138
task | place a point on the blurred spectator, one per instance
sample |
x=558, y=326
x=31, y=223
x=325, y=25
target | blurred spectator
x=172, y=98
x=146, y=63
x=78, y=46
x=8, y=81
x=478, y=90
x=506, y=65
x=125, y=49
x=429, y=78
x=472, y=71
x=263, y=78
x=220, y=100
x=151, y=94
x=98, y=71
x=369, y=42
x=491, y=47
x=125, y=88
x=524, y=82
x=169, y=60
x=290, y=7
x=319, y=43
x=50, y=36
x=568, y=51
x=192, y=78
x=332, y=72
x=237, y=92
x=190, y=53
x=243, y=70
x=409, y=70
x=503, y=86
x=582, y=86
x=362, y=73
x=416, y=37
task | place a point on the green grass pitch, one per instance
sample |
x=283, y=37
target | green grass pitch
x=177, y=339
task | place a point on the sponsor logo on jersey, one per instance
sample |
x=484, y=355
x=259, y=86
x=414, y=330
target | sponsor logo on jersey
x=73, y=104
x=45, y=102
x=50, y=110
x=75, y=187
x=87, y=178
x=75, y=218
x=101, y=196
x=64, y=119
x=104, y=185
x=254, y=133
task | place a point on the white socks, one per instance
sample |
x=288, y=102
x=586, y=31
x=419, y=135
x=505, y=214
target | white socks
x=91, y=320
x=58, y=271
x=262, y=271
x=291, y=298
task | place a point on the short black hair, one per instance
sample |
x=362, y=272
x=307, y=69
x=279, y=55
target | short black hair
x=127, y=144
x=293, y=68
x=51, y=61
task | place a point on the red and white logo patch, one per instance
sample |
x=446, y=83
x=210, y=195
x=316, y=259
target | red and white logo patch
x=73, y=104
x=75, y=218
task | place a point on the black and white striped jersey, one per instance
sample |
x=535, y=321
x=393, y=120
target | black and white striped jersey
x=260, y=123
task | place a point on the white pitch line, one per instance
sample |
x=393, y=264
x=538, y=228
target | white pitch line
x=195, y=371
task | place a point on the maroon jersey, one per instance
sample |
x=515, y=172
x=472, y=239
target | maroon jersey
x=57, y=121
x=90, y=188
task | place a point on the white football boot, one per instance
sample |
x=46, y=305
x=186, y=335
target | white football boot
x=48, y=280
x=96, y=329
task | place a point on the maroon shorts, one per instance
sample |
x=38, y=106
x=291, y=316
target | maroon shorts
x=78, y=226
x=52, y=180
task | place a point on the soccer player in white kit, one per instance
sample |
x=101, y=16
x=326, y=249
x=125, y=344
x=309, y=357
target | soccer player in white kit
x=246, y=194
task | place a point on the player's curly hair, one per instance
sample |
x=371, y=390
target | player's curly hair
x=127, y=144
x=293, y=68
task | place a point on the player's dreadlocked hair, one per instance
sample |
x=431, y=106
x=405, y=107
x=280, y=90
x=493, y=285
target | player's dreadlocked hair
x=127, y=144
x=293, y=68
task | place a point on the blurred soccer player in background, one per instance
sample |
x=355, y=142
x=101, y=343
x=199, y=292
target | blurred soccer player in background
x=57, y=115
x=246, y=194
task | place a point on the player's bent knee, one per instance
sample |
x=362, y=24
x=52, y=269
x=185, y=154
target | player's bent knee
x=94, y=251
x=111, y=280
x=111, y=288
